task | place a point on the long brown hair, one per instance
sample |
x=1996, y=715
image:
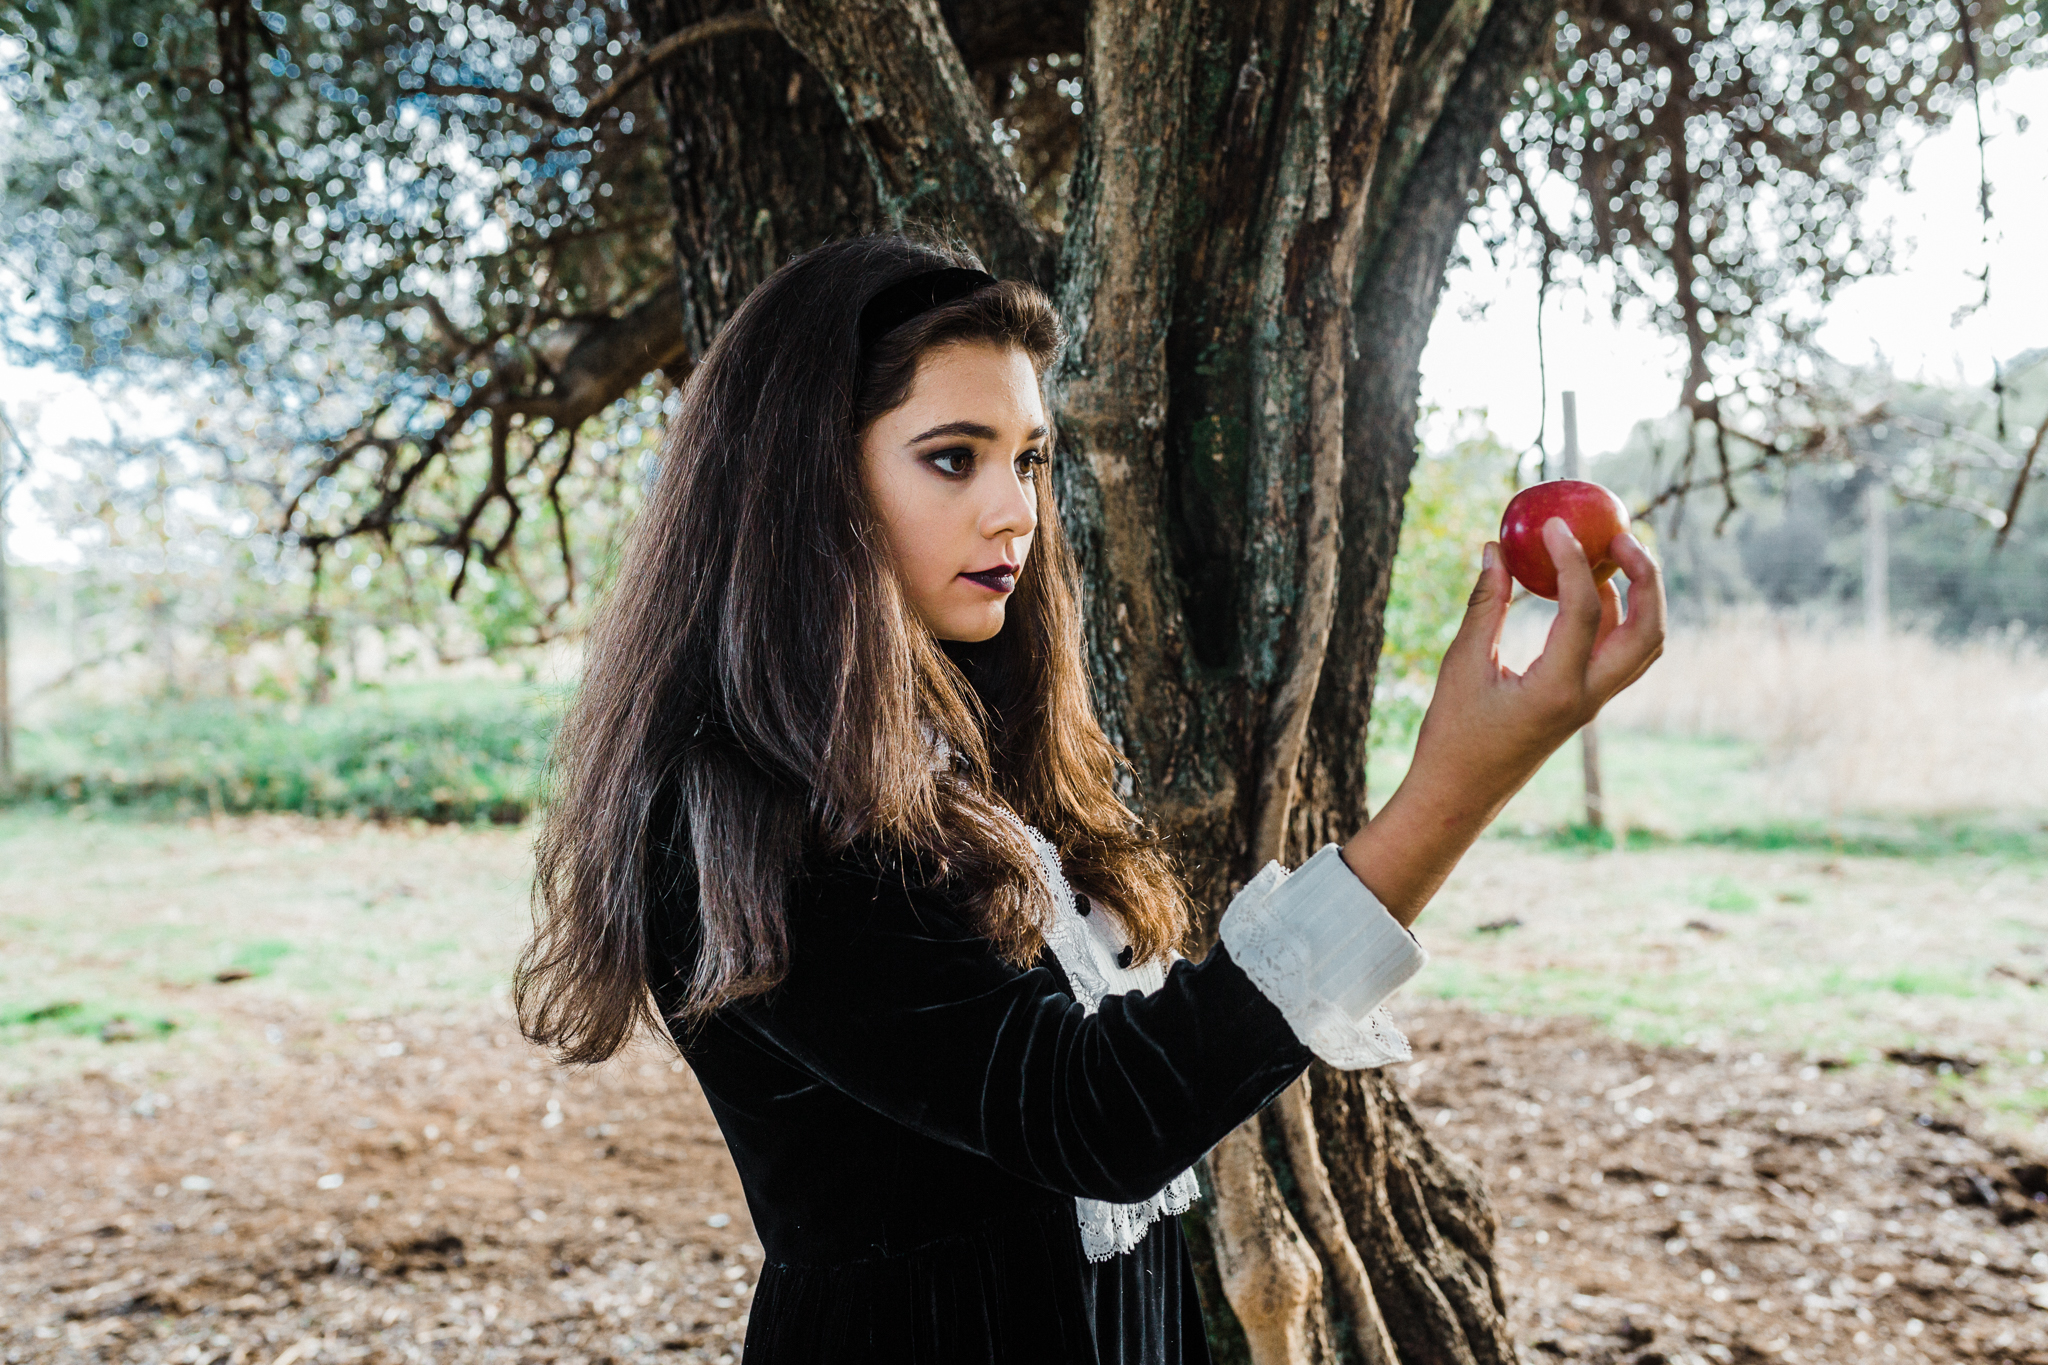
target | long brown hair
x=756, y=692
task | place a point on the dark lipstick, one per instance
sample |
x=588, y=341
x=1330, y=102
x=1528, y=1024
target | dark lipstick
x=998, y=578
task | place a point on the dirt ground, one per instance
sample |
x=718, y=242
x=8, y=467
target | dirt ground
x=262, y=1103
x=418, y=1189
x=424, y=1188
x=1673, y=1205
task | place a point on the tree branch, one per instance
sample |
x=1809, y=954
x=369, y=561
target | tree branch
x=638, y=70
x=1398, y=292
x=554, y=496
x=1325, y=1220
x=643, y=66
x=1270, y=1272
x=1424, y=85
x=1110, y=387
x=2019, y=485
x=612, y=355
x=1325, y=257
x=905, y=90
x=533, y=104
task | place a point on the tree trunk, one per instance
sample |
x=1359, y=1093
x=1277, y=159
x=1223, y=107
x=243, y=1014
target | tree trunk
x=761, y=162
x=1257, y=228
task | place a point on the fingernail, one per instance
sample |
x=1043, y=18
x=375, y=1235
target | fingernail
x=1486, y=558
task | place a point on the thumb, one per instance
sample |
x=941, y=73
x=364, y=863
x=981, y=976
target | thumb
x=1486, y=612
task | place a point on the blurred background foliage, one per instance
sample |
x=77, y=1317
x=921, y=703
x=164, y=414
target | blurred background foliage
x=181, y=670
x=1454, y=506
x=211, y=182
x=449, y=751
x=430, y=242
x=1792, y=535
x=383, y=241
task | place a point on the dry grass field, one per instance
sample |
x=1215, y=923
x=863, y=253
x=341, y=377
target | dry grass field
x=1903, y=726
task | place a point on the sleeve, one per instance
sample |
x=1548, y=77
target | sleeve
x=895, y=1002
x=1323, y=949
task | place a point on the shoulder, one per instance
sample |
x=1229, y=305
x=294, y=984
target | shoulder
x=868, y=886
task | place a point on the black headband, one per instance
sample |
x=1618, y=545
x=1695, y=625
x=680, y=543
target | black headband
x=896, y=304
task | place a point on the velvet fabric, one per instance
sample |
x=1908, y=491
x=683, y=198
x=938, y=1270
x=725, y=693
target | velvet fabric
x=912, y=1119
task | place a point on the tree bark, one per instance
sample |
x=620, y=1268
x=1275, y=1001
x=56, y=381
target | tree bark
x=762, y=164
x=903, y=87
x=1258, y=223
x=1213, y=476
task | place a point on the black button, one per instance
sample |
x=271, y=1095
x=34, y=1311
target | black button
x=1123, y=958
x=1081, y=904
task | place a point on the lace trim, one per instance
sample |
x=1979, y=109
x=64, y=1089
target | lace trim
x=1087, y=949
x=1115, y=1229
x=1268, y=938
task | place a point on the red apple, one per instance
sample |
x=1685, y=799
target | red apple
x=1593, y=513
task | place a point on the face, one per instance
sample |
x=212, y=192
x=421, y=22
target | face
x=953, y=474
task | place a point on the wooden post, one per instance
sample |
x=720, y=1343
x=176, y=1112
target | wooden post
x=1589, y=738
x=6, y=691
x=1876, y=561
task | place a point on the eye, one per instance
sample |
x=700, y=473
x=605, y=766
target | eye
x=956, y=463
x=1028, y=463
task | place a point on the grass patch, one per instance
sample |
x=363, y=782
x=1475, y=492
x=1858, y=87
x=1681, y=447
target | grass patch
x=261, y=957
x=1724, y=894
x=40, y=1014
x=1666, y=790
x=444, y=752
x=1918, y=839
x=1912, y=981
x=1646, y=1008
x=1825, y=1009
x=81, y=1019
x=2030, y=1103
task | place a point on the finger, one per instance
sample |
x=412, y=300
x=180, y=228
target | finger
x=1644, y=667
x=1634, y=645
x=1486, y=612
x=1570, y=642
x=1655, y=655
x=1610, y=613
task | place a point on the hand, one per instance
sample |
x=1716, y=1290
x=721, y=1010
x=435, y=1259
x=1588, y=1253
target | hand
x=1488, y=728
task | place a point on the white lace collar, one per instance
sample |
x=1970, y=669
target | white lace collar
x=1091, y=949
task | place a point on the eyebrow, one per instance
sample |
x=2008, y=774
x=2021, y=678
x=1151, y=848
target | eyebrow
x=974, y=429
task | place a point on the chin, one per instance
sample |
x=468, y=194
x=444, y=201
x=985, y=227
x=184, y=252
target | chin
x=973, y=628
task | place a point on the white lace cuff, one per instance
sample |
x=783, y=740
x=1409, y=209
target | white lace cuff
x=1322, y=948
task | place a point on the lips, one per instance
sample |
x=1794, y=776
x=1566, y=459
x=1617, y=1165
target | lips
x=1001, y=578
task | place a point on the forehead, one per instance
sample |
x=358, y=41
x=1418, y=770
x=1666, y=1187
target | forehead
x=990, y=383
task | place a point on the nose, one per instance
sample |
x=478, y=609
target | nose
x=1012, y=507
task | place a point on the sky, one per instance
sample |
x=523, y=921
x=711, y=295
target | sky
x=1482, y=358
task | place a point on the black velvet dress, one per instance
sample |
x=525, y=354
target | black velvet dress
x=913, y=1118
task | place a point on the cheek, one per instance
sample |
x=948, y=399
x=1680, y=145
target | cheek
x=924, y=534
x=925, y=565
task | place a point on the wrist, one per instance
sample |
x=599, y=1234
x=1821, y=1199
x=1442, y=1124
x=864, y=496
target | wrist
x=1397, y=855
x=1462, y=787
x=1410, y=846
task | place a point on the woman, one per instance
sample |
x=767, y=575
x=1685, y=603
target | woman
x=832, y=807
